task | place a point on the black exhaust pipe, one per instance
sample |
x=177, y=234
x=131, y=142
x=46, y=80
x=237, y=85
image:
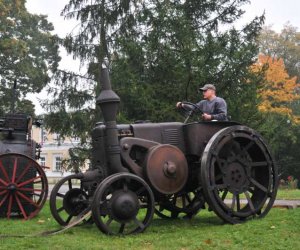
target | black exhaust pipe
x=109, y=101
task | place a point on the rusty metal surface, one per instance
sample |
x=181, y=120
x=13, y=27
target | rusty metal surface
x=166, y=169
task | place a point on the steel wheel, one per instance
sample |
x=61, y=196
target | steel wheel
x=186, y=204
x=238, y=175
x=123, y=204
x=23, y=186
x=68, y=200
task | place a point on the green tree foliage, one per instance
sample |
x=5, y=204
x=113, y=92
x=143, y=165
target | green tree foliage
x=72, y=111
x=160, y=52
x=28, y=54
x=183, y=47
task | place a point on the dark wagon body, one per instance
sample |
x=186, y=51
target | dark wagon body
x=23, y=184
x=171, y=169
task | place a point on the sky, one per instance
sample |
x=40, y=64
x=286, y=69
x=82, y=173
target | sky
x=278, y=13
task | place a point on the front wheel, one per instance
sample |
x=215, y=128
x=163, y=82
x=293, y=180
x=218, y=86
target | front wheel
x=68, y=200
x=123, y=204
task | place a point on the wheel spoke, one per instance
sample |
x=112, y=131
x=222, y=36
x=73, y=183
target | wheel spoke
x=238, y=203
x=121, y=230
x=183, y=201
x=28, y=181
x=257, y=184
x=4, y=172
x=249, y=201
x=221, y=163
x=109, y=221
x=3, y=182
x=60, y=209
x=233, y=201
x=21, y=207
x=3, y=192
x=138, y=223
x=218, y=177
x=174, y=199
x=140, y=190
x=14, y=169
x=23, y=172
x=188, y=198
x=219, y=186
x=27, y=199
x=224, y=195
x=4, y=199
x=9, y=206
x=69, y=219
x=125, y=187
x=60, y=195
x=259, y=164
x=248, y=146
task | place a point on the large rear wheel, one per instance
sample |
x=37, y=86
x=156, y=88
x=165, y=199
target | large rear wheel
x=238, y=175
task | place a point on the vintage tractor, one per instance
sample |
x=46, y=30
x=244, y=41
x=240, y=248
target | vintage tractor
x=23, y=183
x=171, y=169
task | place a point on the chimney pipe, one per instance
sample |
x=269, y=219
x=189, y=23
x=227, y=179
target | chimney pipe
x=109, y=101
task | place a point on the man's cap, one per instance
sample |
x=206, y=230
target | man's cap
x=207, y=86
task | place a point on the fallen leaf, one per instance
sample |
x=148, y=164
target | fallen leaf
x=208, y=241
x=41, y=221
x=273, y=227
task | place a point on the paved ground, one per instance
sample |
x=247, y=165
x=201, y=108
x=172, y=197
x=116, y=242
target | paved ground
x=278, y=203
x=287, y=203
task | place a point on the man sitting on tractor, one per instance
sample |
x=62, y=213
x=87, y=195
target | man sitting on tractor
x=212, y=107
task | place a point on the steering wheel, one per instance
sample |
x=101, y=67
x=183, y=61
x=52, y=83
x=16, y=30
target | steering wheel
x=190, y=107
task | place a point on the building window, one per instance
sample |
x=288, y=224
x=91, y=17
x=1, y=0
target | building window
x=57, y=163
x=43, y=160
x=43, y=135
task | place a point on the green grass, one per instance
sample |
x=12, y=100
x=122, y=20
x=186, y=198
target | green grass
x=288, y=194
x=280, y=229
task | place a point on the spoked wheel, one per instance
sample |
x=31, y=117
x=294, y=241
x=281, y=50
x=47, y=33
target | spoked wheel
x=123, y=204
x=238, y=175
x=68, y=200
x=23, y=186
x=186, y=204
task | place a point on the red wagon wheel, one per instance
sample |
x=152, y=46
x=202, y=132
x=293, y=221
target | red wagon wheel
x=23, y=186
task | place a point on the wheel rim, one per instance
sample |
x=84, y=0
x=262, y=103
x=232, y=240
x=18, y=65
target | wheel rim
x=238, y=174
x=68, y=199
x=23, y=186
x=123, y=204
x=183, y=203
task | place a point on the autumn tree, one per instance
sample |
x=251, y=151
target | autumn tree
x=28, y=54
x=284, y=45
x=280, y=127
x=278, y=90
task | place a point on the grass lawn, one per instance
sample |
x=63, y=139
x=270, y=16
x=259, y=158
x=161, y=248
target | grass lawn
x=280, y=229
x=288, y=194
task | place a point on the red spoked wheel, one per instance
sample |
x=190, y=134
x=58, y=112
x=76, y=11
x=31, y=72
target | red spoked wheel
x=23, y=186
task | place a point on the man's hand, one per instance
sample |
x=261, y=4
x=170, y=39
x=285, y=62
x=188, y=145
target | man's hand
x=178, y=104
x=206, y=117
